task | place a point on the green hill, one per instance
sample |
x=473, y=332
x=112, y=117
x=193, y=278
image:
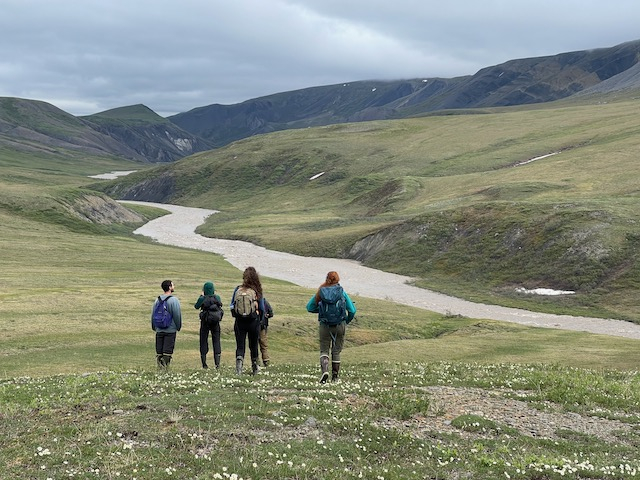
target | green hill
x=422, y=395
x=474, y=205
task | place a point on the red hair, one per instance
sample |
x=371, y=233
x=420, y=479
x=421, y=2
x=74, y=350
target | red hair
x=332, y=279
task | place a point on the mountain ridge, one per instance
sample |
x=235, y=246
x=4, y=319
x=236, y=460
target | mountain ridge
x=516, y=82
x=137, y=133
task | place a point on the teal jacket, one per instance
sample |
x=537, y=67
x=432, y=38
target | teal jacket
x=173, y=305
x=312, y=306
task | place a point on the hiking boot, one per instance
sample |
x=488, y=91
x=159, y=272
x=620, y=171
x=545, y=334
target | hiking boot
x=239, y=362
x=254, y=367
x=160, y=361
x=265, y=363
x=335, y=370
x=216, y=358
x=204, y=361
x=166, y=359
x=324, y=366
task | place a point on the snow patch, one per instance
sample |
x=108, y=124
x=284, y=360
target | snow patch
x=112, y=175
x=545, y=291
x=536, y=158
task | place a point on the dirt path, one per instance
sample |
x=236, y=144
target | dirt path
x=178, y=229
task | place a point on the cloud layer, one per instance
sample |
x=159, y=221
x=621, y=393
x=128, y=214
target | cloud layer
x=90, y=56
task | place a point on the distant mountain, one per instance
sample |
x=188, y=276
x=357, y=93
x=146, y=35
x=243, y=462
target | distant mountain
x=136, y=133
x=152, y=137
x=517, y=82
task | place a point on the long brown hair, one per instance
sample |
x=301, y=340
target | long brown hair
x=251, y=279
x=332, y=279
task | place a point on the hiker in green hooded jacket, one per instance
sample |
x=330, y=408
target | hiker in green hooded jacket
x=207, y=302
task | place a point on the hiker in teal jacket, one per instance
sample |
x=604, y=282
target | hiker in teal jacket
x=331, y=327
x=166, y=337
x=208, y=297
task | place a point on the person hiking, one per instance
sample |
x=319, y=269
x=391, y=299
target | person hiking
x=211, y=314
x=166, y=335
x=266, y=312
x=245, y=309
x=335, y=310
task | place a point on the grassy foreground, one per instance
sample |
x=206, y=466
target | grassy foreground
x=385, y=422
x=80, y=396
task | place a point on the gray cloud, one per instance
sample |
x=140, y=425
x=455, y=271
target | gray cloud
x=89, y=56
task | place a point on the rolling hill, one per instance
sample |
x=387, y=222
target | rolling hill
x=474, y=205
x=530, y=194
x=137, y=133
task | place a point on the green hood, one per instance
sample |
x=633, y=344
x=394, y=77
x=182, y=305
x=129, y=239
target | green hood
x=208, y=288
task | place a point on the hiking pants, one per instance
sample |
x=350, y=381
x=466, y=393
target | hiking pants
x=165, y=343
x=244, y=328
x=331, y=340
x=214, y=328
x=264, y=347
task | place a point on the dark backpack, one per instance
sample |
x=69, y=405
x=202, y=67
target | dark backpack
x=332, y=307
x=245, y=302
x=211, y=310
x=161, y=315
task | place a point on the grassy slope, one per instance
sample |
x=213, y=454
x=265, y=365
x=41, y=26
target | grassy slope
x=78, y=302
x=56, y=268
x=465, y=219
x=75, y=309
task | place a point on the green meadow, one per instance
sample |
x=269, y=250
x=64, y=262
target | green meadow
x=452, y=200
x=80, y=396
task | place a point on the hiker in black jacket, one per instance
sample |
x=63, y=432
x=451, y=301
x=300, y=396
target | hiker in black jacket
x=211, y=314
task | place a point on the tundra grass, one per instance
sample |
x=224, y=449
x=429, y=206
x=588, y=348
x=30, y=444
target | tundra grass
x=561, y=176
x=80, y=396
x=385, y=422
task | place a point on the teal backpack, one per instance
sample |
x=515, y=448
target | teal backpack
x=332, y=307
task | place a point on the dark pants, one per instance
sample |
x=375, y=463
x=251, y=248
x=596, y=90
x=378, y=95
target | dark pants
x=331, y=340
x=244, y=328
x=165, y=343
x=205, y=328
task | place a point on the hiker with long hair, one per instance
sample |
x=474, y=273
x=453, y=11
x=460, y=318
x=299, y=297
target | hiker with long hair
x=246, y=311
x=335, y=310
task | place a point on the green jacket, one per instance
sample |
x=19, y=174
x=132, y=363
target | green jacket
x=208, y=289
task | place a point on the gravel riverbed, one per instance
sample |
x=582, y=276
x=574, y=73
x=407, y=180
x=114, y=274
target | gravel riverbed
x=178, y=229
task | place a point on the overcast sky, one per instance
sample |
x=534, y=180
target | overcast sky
x=87, y=56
